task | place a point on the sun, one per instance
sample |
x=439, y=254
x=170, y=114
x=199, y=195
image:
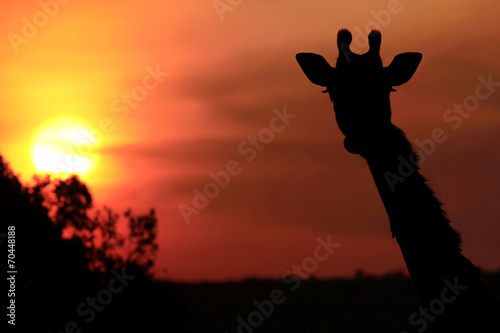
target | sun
x=64, y=146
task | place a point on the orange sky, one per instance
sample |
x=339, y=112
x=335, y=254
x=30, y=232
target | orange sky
x=225, y=77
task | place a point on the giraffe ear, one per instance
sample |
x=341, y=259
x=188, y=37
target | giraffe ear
x=316, y=68
x=403, y=67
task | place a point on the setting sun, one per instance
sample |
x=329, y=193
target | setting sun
x=65, y=146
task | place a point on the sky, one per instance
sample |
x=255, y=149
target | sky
x=172, y=94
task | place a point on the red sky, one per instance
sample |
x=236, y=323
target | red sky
x=225, y=78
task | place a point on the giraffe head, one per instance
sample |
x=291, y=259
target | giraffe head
x=359, y=87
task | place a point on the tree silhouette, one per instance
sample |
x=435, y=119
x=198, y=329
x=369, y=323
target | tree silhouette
x=68, y=251
x=70, y=207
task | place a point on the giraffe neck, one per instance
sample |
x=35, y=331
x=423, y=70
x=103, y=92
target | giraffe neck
x=430, y=246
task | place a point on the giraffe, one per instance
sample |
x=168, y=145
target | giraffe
x=447, y=283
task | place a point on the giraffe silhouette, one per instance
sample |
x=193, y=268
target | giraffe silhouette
x=447, y=283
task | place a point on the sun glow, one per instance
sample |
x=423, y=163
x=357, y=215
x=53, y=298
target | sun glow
x=65, y=146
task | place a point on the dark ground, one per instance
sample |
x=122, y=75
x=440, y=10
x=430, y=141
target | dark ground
x=365, y=304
